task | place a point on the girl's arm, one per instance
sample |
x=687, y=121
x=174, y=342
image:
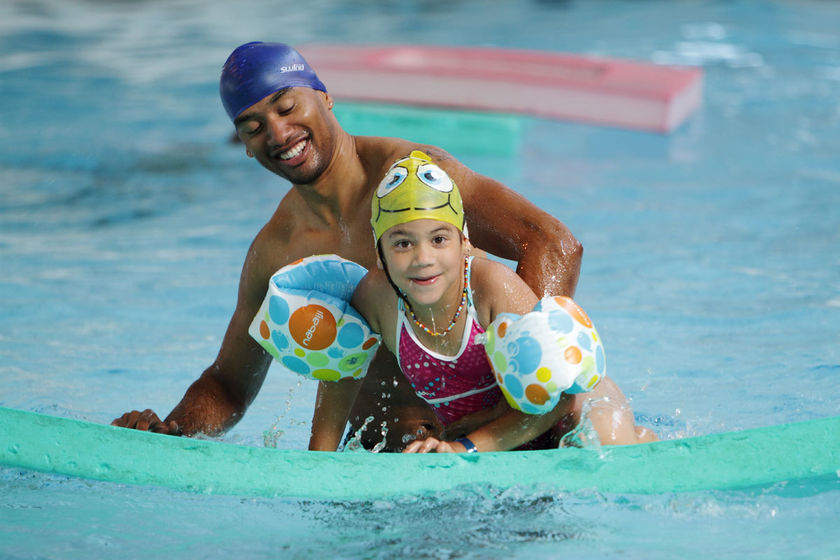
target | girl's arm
x=376, y=301
x=509, y=431
x=497, y=289
x=335, y=398
x=332, y=408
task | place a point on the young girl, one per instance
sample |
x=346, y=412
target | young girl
x=429, y=301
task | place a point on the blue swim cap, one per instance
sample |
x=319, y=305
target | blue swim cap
x=257, y=69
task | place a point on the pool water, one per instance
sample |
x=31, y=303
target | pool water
x=712, y=264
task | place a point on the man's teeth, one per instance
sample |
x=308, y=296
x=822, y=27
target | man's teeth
x=298, y=148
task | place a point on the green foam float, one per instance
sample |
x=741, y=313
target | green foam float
x=731, y=460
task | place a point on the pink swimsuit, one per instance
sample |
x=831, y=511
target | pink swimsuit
x=454, y=385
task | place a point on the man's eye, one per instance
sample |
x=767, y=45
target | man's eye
x=249, y=129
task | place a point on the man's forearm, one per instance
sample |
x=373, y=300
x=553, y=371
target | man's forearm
x=206, y=408
x=552, y=268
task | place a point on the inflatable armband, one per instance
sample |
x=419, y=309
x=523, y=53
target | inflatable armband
x=307, y=324
x=551, y=350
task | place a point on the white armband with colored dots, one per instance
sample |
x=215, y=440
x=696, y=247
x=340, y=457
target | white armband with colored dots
x=307, y=324
x=551, y=350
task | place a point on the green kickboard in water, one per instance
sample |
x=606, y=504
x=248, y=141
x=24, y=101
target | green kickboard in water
x=732, y=460
x=456, y=131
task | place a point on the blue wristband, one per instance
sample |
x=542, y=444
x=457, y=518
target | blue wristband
x=466, y=442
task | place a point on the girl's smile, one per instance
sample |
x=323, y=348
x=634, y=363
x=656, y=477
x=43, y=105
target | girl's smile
x=425, y=281
x=425, y=261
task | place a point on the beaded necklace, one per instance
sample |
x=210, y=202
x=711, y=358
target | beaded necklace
x=457, y=312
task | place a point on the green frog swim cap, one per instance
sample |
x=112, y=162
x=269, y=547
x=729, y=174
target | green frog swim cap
x=415, y=189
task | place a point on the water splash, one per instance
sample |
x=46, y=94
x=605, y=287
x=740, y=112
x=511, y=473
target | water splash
x=384, y=432
x=584, y=435
x=408, y=438
x=354, y=444
x=273, y=435
x=355, y=441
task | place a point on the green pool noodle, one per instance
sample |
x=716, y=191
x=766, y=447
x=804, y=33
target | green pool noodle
x=731, y=460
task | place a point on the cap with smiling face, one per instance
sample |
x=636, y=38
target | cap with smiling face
x=415, y=188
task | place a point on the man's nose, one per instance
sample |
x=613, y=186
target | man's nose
x=277, y=130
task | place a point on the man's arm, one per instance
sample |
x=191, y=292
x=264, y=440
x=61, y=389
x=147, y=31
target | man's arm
x=504, y=223
x=216, y=401
x=220, y=396
x=501, y=221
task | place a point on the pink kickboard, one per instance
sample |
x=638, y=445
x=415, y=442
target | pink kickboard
x=597, y=90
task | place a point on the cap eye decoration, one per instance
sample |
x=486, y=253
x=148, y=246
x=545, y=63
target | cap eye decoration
x=435, y=177
x=391, y=181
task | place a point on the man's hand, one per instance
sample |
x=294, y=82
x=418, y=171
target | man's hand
x=147, y=421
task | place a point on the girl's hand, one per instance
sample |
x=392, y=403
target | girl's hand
x=433, y=445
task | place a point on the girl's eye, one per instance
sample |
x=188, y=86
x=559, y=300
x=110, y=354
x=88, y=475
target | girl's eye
x=435, y=177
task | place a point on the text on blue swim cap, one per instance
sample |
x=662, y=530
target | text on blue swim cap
x=256, y=70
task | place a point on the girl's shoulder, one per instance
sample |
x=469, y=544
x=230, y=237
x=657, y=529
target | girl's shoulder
x=369, y=291
x=487, y=274
x=496, y=288
x=376, y=300
x=494, y=276
x=489, y=280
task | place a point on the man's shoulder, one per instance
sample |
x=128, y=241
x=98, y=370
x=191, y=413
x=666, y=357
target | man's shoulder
x=380, y=152
x=273, y=244
x=376, y=150
x=277, y=229
x=385, y=150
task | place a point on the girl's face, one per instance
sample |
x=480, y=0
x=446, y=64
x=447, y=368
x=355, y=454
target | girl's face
x=425, y=259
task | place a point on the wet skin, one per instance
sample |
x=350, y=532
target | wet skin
x=295, y=135
x=424, y=260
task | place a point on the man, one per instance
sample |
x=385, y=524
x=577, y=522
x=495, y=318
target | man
x=283, y=115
